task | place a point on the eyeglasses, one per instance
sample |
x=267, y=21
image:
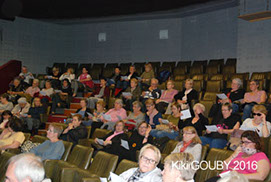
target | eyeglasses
x=147, y=160
x=149, y=106
x=245, y=142
x=186, y=133
x=142, y=127
x=258, y=114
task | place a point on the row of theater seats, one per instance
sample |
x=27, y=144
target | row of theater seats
x=78, y=165
x=215, y=66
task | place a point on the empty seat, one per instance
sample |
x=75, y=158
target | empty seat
x=139, y=67
x=213, y=86
x=217, y=77
x=200, y=77
x=108, y=71
x=213, y=69
x=184, y=63
x=211, y=96
x=124, y=165
x=180, y=77
x=216, y=62
x=125, y=67
x=258, y=76
x=200, y=62
x=231, y=61
x=180, y=71
x=179, y=85
x=198, y=85
x=198, y=69
x=39, y=139
x=208, y=104
x=229, y=69
x=4, y=157
x=169, y=64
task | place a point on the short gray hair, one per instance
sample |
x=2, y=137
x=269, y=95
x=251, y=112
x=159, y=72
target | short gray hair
x=28, y=166
x=239, y=81
x=154, y=149
x=119, y=101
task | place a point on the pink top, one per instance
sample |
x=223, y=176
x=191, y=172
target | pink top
x=112, y=136
x=168, y=96
x=246, y=165
x=89, y=83
x=254, y=98
x=117, y=115
x=32, y=91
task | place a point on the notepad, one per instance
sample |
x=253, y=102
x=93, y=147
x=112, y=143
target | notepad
x=125, y=144
x=106, y=117
x=100, y=141
x=165, y=121
x=89, y=114
x=185, y=114
x=127, y=94
x=116, y=178
x=211, y=128
x=58, y=91
x=43, y=93
x=124, y=77
x=49, y=77
x=221, y=96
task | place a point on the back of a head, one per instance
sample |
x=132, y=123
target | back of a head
x=28, y=166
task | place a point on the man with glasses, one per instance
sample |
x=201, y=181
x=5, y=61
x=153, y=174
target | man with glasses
x=149, y=158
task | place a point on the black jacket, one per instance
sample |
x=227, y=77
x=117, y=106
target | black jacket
x=75, y=134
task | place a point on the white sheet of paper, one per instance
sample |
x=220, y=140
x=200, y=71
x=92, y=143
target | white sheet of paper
x=186, y=114
x=107, y=117
x=49, y=77
x=116, y=178
x=103, y=179
x=100, y=141
x=165, y=121
x=98, y=96
x=73, y=114
x=23, y=115
x=225, y=174
x=125, y=144
x=43, y=93
x=127, y=94
x=112, y=80
x=221, y=96
x=212, y=128
x=139, y=78
x=58, y=91
x=124, y=77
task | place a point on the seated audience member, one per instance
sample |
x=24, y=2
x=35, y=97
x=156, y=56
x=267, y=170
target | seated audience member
x=25, y=167
x=12, y=137
x=112, y=141
x=53, y=78
x=33, y=118
x=75, y=130
x=169, y=129
x=191, y=143
x=149, y=157
x=185, y=97
x=226, y=125
x=135, y=90
x=114, y=79
x=256, y=96
x=97, y=114
x=22, y=108
x=135, y=117
x=137, y=140
x=4, y=119
x=101, y=92
x=63, y=98
x=5, y=104
x=116, y=114
x=198, y=121
x=85, y=81
x=179, y=172
x=70, y=76
x=48, y=91
x=166, y=97
x=233, y=176
x=152, y=115
x=146, y=76
x=253, y=163
x=34, y=89
x=52, y=148
x=26, y=76
x=15, y=90
x=131, y=74
x=258, y=122
x=84, y=112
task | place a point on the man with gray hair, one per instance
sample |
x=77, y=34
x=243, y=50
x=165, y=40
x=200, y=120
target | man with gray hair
x=25, y=168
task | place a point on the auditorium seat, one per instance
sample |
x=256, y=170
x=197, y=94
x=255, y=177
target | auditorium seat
x=124, y=165
x=186, y=64
x=198, y=69
x=103, y=163
x=125, y=67
x=213, y=86
x=200, y=77
x=208, y=104
x=4, y=157
x=204, y=152
x=180, y=77
x=198, y=85
x=140, y=68
x=164, y=68
x=163, y=86
x=217, y=77
x=258, y=76
x=80, y=157
x=213, y=156
x=231, y=61
x=39, y=139
x=171, y=64
x=211, y=96
x=229, y=69
x=179, y=85
x=213, y=69
x=179, y=71
x=108, y=71
x=216, y=62
x=170, y=146
x=155, y=66
x=68, y=148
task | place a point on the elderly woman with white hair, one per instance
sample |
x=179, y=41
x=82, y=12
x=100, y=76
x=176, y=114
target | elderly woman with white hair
x=33, y=89
x=174, y=171
x=113, y=115
x=22, y=108
x=148, y=160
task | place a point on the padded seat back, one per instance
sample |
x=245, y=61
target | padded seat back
x=217, y=77
x=81, y=156
x=124, y=165
x=211, y=96
x=171, y=64
x=162, y=86
x=103, y=163
x=170, y=146
x=213, y=69
x=204, y=151
x=258, y=76
x=39, y=139
x=100, y=133
x=85, y=142
x=27, y=136
x=208, y=104
x=68, y=147
x=4, y=157
x=200, y=77
x=231, y=61
x=108, y=71
x=198, y=85
x=139, y=68
x=196, y=70
x=229, y=69
x=180, y=77
x=178, y=85
x=125, y=67
x=213, y=86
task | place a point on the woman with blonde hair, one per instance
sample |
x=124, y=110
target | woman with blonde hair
x=191, y=143
x=198, y=121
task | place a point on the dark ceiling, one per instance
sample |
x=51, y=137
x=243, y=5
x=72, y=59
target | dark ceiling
x=70, y=9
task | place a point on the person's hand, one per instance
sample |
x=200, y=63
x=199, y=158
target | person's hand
x=95, y=114
x=220, y=130
x=31, y=74
x=129, y=97
x=70, y=126
x=170, y=124
x=237, y=151
x=143, y=93
x=157, y=101
x=96, y=140
x=74, y=94
x=208, y=131
x=263, y=116
x=113, y=85
x=107, y=143
x=148, y=131
x=126, y=80
x=160, y=120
